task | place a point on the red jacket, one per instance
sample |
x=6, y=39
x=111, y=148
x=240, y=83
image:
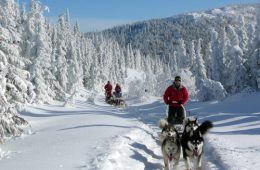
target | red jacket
x=118, y=89
x=108, y=88
x=173, y=94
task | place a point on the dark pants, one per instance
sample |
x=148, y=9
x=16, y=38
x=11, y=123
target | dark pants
x=117, y=94
x=175, y=115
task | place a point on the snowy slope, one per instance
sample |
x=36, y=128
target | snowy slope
x=99, y=136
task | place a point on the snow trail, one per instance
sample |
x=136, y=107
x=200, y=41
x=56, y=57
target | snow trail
x=141, y=147
x=94, y=135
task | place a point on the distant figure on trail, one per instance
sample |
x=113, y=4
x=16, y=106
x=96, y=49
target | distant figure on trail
x=108, y=90
x=176, y=96
x=118, y=91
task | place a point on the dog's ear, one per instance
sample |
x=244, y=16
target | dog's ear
x=196, y=120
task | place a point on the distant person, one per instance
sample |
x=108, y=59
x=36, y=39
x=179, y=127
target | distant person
x=118, y=91
x=175, y=96
x=108, y=90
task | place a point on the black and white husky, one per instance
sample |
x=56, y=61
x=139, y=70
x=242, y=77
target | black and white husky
x=171, y=146
x=190, y=124
x=192, y=143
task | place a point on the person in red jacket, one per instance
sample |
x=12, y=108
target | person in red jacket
x=118, y=92
x=175, y=96
x=108, y=88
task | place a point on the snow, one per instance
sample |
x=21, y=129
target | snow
x=133, y=76
x=94, y=135
x=41, y=63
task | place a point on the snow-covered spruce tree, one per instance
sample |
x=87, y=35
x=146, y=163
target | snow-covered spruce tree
x=78, y=60
x=75, y=71
x=149, y=82
x=40, y=52
x=209, y=60
x=106, y=61
x=89, y=51
x=243, y=35
x=199, y=61
x=121, y=68
x=235, y=72
x=173, y=61
x=129, y=56
x=63, y=34
x=192, y=57
x=54, y=83
x=137, y=60
x=15, y=89
x=182, y=58
x=117, y=70
x=216, y=57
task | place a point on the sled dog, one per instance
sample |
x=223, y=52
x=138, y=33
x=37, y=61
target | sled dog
x=171, y=146
x=192, y=144
x=190, y=124
x=167, y=129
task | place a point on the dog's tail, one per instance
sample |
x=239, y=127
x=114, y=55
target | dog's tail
x=205, y=126
x=163, y=123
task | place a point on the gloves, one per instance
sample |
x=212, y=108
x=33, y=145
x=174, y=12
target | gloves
x=179, y=102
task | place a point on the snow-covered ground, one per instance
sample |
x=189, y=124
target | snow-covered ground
x=94, y=135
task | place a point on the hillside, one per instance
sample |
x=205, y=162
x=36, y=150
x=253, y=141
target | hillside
x=219, y=44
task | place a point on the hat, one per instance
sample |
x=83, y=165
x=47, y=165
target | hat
x=177, y=78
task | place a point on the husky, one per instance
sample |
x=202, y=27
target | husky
x=118, y=102
x=167, y=129
x=190, y=124
x=171, y=146
x=192, y=144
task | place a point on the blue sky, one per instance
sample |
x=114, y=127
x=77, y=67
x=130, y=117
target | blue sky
x=100, y=14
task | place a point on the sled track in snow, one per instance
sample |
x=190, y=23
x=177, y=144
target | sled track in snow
x=140, y=148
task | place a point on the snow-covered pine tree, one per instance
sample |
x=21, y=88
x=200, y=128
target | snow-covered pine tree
x=75, y=72
x=130, y=56
x=40, y=53
x=121, y=64
x=242, y=32
x=216, y=56
x=235, y=70
x=62, y=47
x=192, y=56
x=173, y=61
x=209, y=60
x=199, y=61
x=15, y=89
x=89, y=51
x=138, y=58
x=182, y=58
x=117, y=64
x=54, y=83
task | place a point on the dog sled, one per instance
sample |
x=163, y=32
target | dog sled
x=179, y=126
x=185, y=138
x=116, y=101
